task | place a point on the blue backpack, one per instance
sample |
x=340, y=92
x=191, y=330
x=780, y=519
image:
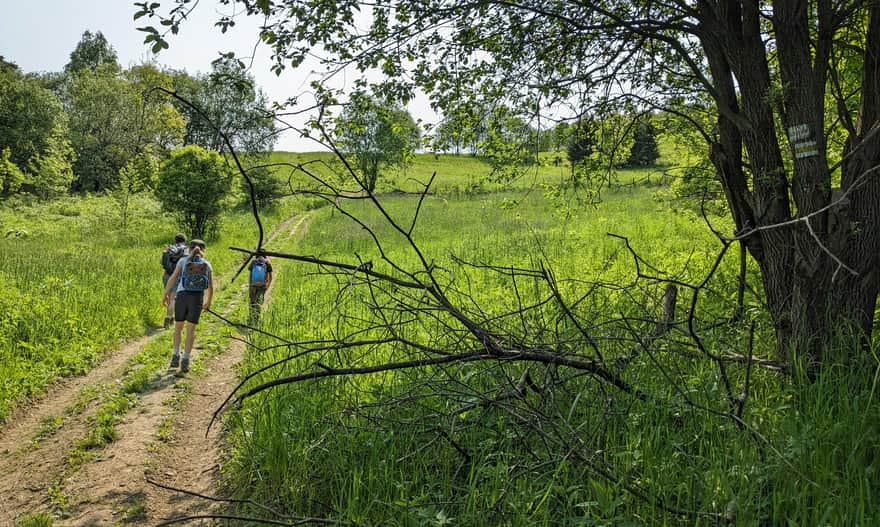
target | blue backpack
x=259, y=270
x=195, y=275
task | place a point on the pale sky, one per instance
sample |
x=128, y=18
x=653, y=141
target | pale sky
x=38, y=35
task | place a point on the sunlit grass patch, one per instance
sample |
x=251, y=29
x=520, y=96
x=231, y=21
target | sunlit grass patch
x=77, y=286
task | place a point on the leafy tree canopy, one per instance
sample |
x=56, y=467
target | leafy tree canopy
x=644, y=151
x=193, y=183
x=581, y=141
x=228, y=101
x=33, y=137
x=8, y=67
x=114, y=117
x=92, y=51
x=377, y=135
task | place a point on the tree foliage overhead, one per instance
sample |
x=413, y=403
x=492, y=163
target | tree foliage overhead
x=811, y=67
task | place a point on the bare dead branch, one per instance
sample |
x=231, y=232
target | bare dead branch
x=282, y=519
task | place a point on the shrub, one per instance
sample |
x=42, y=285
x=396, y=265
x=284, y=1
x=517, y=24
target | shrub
x=192, y=185
x=268, y=187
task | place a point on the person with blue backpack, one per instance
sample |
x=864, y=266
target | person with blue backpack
x=170, y=256
x=193, y=281
x=259, y=278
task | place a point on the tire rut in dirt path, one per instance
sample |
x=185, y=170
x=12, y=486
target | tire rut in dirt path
x=115, y=488
x=28, y=468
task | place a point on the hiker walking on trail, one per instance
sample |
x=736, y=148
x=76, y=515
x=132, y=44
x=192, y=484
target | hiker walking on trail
x=193, y=281
x=170, y=256
x=259, y=278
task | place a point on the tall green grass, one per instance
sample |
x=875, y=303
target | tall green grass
x=77, y=284
x=366, y=449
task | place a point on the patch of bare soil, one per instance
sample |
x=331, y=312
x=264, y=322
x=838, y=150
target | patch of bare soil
x=113, y=488
x=28, y=469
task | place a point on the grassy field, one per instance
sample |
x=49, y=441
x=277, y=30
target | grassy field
x=450, y=445
x=78, y=285
x=545, y=268
x=465, y=174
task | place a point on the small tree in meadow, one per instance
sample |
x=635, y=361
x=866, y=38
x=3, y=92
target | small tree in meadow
x=581, y=141
x=644, y=151
x=135, y=177
x=192, y=184
x=267, y=186
x=376, y=135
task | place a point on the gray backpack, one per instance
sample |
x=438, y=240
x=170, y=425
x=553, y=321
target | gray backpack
x=195, y=275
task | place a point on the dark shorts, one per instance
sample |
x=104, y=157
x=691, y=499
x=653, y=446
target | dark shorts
x=188, y=306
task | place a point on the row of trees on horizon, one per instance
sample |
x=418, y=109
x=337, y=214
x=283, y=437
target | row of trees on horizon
x=96, y=126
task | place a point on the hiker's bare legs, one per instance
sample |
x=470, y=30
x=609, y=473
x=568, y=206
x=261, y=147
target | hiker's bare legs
x=190, y=338
x=178, y=329
x=175, y=356
x=170, y=309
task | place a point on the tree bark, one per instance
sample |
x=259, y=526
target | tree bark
x=802, y=112
x=802, y=257
x=734, y=46
x=858, y=214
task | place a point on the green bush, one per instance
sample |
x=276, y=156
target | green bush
x=192, y=185
x=268, y=187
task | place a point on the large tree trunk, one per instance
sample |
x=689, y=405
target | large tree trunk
x=802, y=112
x=802, y=258
x=733, y=43
x=858, y=214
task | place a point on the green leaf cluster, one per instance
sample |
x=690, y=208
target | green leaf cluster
x=192, y=185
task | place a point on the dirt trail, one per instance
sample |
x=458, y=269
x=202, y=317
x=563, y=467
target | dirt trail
x=112, y=489
x=27, y=471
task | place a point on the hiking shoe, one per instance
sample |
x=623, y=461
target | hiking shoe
x=184, y=365
x=175, y=360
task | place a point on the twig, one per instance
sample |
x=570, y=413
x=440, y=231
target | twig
x=288, y=520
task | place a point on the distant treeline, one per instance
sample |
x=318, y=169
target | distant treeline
x=94, y=126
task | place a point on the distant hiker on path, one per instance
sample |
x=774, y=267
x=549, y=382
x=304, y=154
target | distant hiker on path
x=193, y=281
x=170, y=256
x=259, y=278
